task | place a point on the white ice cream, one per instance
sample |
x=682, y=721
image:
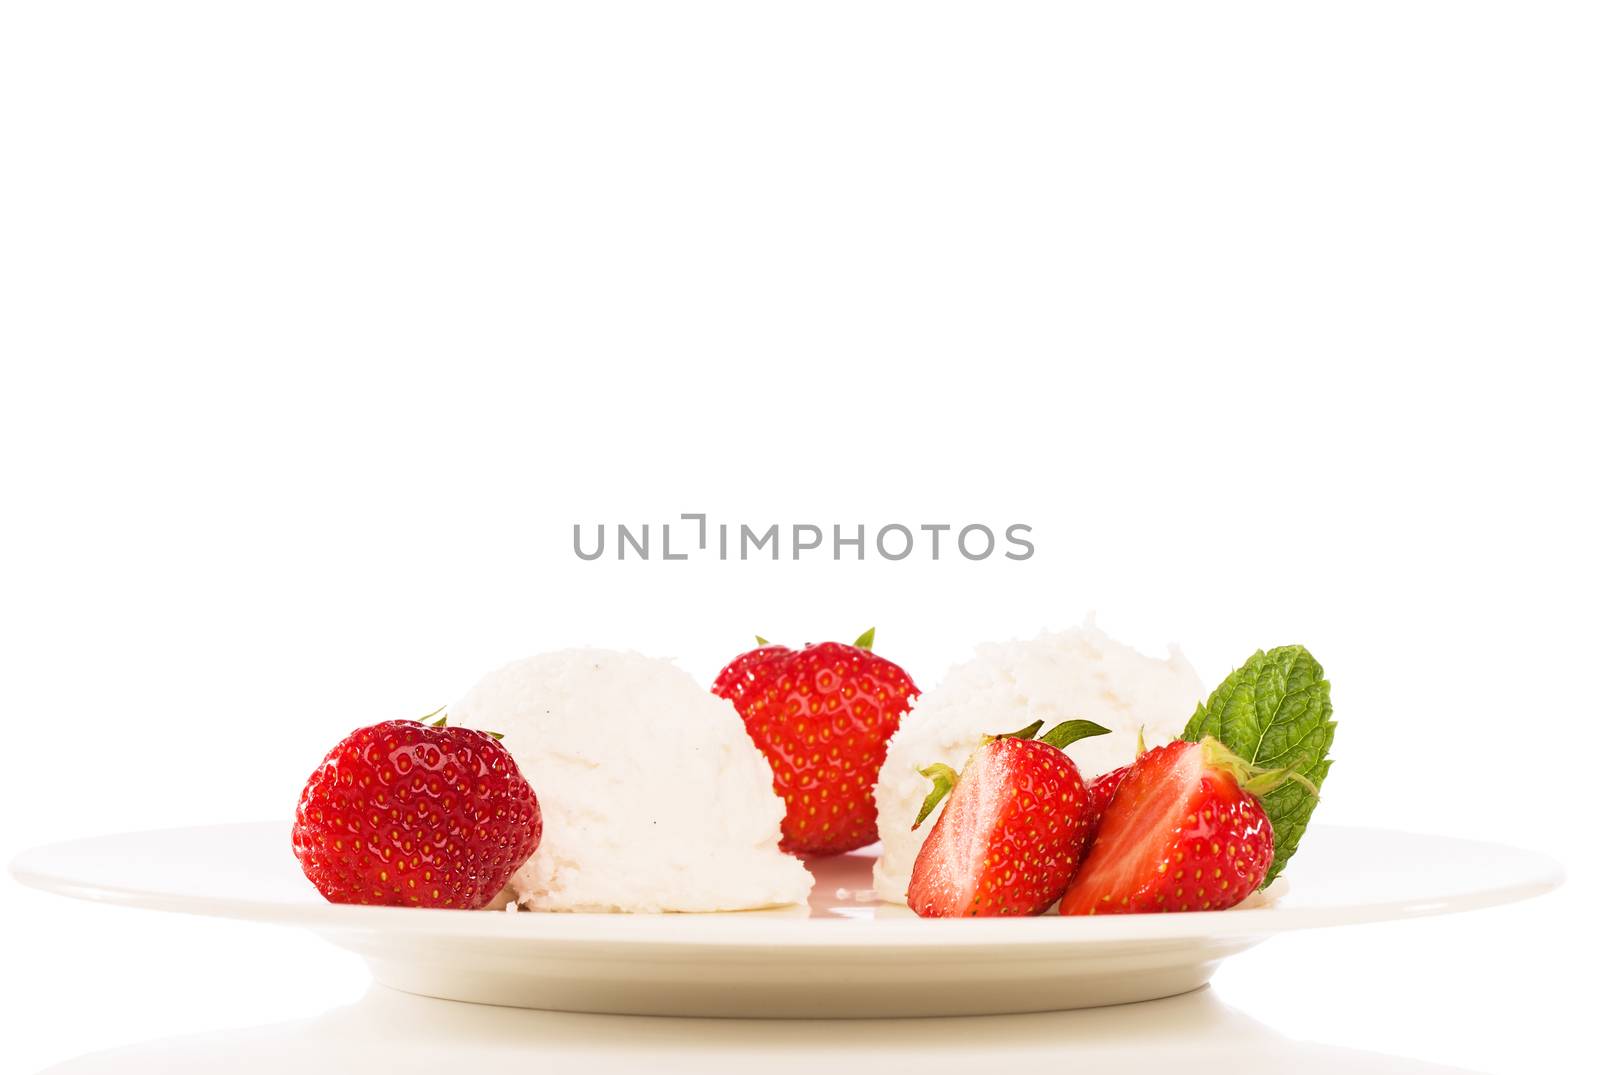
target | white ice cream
x=654, y=798
x=1076, y=674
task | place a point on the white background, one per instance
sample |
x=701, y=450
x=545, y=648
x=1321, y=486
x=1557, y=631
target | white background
x=323, y=323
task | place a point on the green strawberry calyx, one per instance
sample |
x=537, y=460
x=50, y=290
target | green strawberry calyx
x=443, y=717
x=1252, y=778
x=1068, y=732
x=1061, y=736
x=944, y=781
x=1021, y=733
x=864, y=642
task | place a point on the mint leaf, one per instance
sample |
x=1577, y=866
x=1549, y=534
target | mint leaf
x=1274, y=712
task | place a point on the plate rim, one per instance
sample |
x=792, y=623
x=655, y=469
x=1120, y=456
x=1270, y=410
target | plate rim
x=775, y=929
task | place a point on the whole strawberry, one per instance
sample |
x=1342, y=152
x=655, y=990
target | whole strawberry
x=1185, y=831
x=823, y=716
x=1013, y=832
x=408, y=814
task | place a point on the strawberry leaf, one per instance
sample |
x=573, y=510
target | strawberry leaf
x=1275, y=713
x=1021, y=733
x=1068, y=732
x=944, y=779
x=865, y=641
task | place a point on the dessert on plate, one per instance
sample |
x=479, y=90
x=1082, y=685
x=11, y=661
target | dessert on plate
x=1069, y=772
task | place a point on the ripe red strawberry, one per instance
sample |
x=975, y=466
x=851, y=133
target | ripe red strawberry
x=1104, y=786
x=1101, y=789
x=1184, y=832
x=1012, y=833
x=409, y=814
x=823, y=716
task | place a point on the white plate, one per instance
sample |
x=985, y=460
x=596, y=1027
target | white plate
x=845, y=955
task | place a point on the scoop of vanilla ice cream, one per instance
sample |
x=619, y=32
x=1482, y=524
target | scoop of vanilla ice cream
x=1076, y=674
x=654, y=798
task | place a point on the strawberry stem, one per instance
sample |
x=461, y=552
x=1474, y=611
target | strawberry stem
x=865, y=641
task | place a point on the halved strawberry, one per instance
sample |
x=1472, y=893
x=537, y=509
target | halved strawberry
x=1104, y=786
x=1101, y=789
x=1012, y=833
x=1184, y=832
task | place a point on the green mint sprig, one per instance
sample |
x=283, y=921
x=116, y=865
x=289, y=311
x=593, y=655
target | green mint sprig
x=1274, y=711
